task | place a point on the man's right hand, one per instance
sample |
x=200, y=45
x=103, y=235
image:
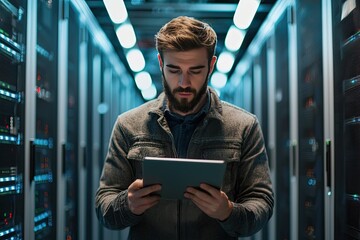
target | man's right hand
x=140, y=198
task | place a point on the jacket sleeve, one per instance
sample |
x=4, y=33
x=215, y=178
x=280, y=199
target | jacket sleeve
x=254, y=201
x=111, y=197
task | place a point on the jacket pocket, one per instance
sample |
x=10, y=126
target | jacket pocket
x=143, y=149
x=231, y=155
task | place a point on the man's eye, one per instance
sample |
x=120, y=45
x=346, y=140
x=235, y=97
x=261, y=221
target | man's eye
x=174, y=71
x=195, y=72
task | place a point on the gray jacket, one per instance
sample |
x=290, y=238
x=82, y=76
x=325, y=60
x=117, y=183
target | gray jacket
x=227, y=132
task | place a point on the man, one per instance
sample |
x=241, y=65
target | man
x=188, y=120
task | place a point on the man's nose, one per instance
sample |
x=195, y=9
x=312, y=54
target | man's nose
x=184, y=80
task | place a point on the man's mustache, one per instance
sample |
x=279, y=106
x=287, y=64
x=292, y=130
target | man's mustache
x=188, y=89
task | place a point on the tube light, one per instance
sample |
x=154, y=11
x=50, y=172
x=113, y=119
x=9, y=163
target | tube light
x=126, y=35
x=218, y=80
x=149, y=93
x=245, y=12
x=234, y=38
x=225, y=62
x=116, y=10
x=143, y=80
x=136, y=60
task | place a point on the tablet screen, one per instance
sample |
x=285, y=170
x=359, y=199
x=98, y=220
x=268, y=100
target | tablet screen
x=176, y=174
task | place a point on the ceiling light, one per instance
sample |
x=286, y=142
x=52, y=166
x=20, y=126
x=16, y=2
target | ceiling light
x=136, y=60
x=234, y=38
x=149, y=93
x=245, y=13
x=126, y=35
x=116, y=10
x=218, y=80
x=225, y=62
x=143, y=80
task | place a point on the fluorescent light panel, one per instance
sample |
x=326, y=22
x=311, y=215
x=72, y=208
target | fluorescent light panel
x=126, y=35
x=218, y=80
x=234, y=38
x=136, y=60
x=149, y=93
x=143, y=80
x=116, y=10
x=245, y=13
x=225, y=62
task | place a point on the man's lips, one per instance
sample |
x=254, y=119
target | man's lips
x=184, y=94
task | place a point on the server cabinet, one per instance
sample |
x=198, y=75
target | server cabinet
x=71, y=147
x=263, y=114
x=83, y=117
x=248, y=90
x=44, y=164
x=282, y=130
x=12, y=117
x=346, y=23
x=310, y=114
x=93, y=137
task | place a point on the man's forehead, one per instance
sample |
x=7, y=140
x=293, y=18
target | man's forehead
x=195, y=57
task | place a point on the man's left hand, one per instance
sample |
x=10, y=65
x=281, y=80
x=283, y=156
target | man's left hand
x=211, y=201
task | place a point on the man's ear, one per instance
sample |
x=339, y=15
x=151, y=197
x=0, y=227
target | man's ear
x=212, y=64
x=160, y=61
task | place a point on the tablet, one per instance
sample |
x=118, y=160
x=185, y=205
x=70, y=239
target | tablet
x=176, y=174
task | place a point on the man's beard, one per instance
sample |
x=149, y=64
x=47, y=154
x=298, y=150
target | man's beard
x=184, y=105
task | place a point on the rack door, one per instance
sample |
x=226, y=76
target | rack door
x=346, y=18
x=310, y=119
x=12, y=117
x=44, y=144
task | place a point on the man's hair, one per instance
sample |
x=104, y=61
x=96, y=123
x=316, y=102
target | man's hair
x=186, y=33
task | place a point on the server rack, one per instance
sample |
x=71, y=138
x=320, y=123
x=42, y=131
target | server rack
x=271, y=110
x=262, y=113
x=93, y=137
x=105, y=125
x=347, y=117
x=82, y=131
x=44, y=144
x=282, y=129
x=310, y=113
x=12, y=117
x=260, y=106
x=70, y=168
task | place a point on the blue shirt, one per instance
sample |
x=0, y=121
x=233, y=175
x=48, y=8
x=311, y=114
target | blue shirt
x=183, y=127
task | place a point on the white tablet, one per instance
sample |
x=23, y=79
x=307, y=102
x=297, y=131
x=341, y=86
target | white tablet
x=176, y=174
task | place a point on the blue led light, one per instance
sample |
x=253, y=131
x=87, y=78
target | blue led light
x=8, y=138
x=7, y=189
x=44, y=178
x=7, y=179
x=312, y=182
x=6, y=232
x=41, y=216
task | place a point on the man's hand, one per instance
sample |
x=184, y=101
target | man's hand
x=211, y=201
x=140, y=198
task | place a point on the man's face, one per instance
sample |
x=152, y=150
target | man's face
x=185, y=78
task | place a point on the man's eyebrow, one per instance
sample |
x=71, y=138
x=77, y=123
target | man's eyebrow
x=192, y=68
x=172, y=66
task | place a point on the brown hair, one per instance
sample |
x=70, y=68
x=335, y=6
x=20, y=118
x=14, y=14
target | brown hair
x=186, y=33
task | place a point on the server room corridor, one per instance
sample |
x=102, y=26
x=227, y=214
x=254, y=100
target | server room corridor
x=69, y=68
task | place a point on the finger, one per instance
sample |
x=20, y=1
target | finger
x=139, y=205
x=198, y=196
x=200, y=193
x=137, y=184
x=211, y=190
x=148, y=190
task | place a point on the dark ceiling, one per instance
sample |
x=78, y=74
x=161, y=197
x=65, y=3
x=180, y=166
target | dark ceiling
x=148, y=16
